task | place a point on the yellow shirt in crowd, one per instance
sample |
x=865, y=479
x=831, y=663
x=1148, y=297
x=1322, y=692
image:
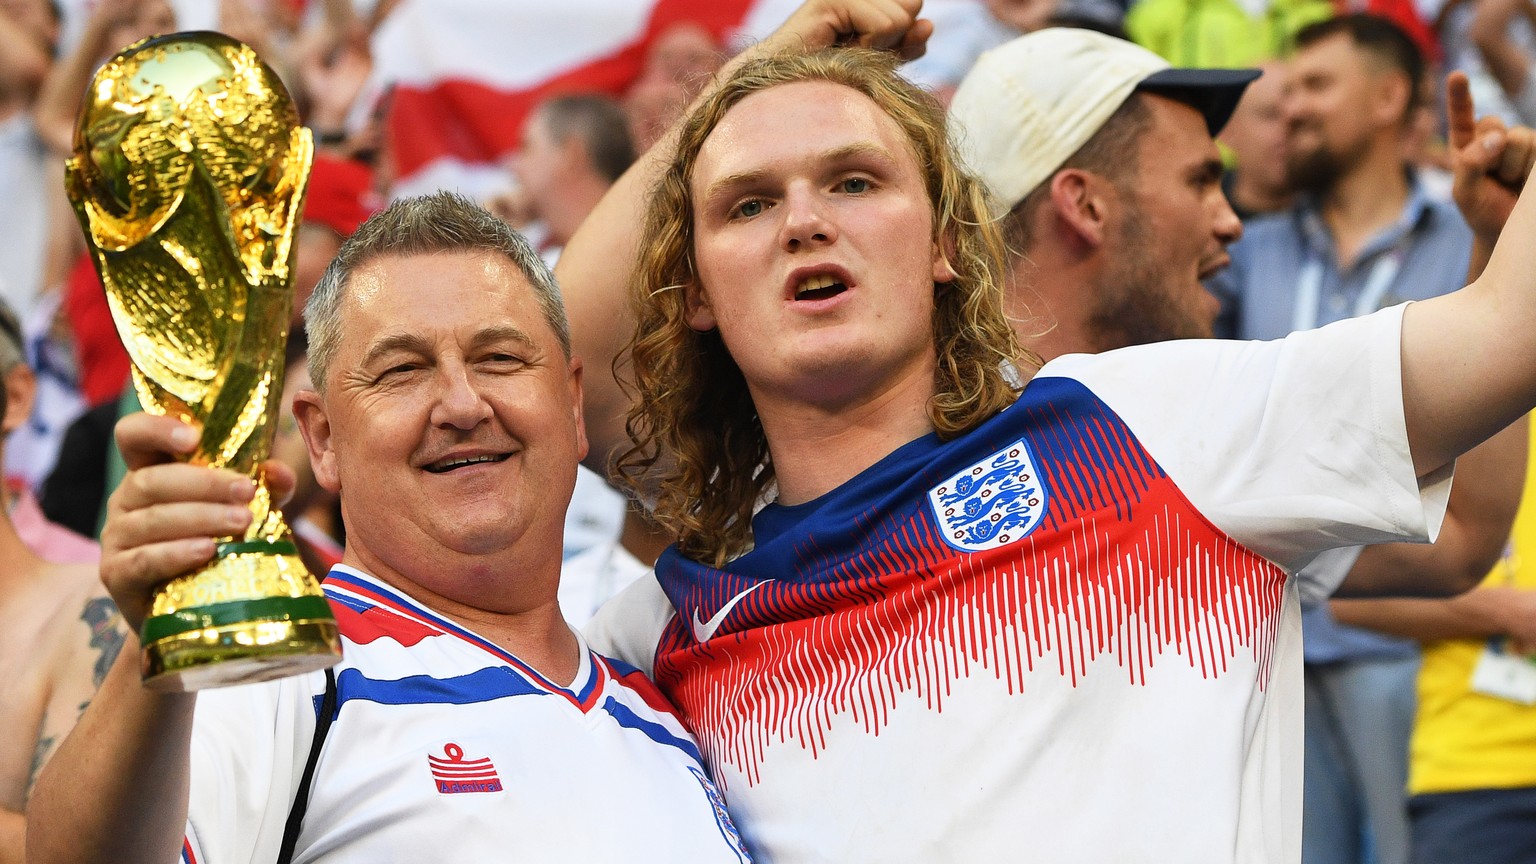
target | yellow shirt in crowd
x=1464, y=740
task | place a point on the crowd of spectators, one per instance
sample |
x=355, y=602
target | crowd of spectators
x=1342, y=180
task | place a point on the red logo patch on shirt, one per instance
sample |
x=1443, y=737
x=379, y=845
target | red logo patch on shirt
x=455, y=774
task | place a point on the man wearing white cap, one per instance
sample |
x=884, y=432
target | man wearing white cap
x=1107, y=185
x=1102, y=168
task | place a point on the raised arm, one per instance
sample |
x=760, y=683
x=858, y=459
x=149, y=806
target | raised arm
x=1469, y=358
x=594, y=268
x=116, y=790
x=1483, y=502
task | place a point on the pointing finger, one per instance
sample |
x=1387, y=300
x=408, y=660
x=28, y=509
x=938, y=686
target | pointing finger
x=1460, y=112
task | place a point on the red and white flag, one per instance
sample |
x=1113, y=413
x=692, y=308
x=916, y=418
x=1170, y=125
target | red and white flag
x=465, y=73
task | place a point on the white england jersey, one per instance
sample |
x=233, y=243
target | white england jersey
x=447, y=748
x=1066, y=636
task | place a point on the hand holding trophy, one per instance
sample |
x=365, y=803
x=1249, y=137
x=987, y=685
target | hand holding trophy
x=188, y=177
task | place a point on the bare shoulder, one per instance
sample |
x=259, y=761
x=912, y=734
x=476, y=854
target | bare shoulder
x=60, y=639
x=37, y=610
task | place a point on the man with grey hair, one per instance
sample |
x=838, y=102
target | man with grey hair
x=447, y=414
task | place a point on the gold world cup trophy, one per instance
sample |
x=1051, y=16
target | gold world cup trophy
x=188, y=175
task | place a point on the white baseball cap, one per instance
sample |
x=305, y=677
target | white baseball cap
x=1029, y=104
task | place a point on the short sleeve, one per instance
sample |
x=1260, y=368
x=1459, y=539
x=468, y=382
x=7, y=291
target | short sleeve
x=628, y=627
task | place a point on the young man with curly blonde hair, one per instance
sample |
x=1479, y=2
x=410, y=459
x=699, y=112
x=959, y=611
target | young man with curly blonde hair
x=690, y=386
x=1064, y=627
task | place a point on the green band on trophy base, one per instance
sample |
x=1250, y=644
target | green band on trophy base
x=263, y=609
x=258, y=547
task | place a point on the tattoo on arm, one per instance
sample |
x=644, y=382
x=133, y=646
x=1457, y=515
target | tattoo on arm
x=107, y=638
x=106, y=633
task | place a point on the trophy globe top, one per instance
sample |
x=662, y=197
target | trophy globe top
x=188, y=178
x=168, y=108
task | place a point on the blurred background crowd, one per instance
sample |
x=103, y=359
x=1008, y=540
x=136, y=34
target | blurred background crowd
x=535, y=108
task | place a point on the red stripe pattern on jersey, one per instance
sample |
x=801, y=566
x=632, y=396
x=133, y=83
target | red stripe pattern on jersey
x=863, y=600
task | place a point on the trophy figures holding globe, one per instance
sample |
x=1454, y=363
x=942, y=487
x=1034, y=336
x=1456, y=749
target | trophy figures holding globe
x=188, y=176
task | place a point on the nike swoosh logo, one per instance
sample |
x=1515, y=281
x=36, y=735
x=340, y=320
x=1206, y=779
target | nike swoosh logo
x=703, y=631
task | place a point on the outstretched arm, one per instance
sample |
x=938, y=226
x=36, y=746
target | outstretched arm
x=1469, y=359
x=595, y=266
x=1489, y=476
x=117, y=788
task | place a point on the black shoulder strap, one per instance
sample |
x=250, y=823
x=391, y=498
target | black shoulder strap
x=301, y=797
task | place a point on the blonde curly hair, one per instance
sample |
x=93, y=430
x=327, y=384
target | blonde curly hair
x=699, y=447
